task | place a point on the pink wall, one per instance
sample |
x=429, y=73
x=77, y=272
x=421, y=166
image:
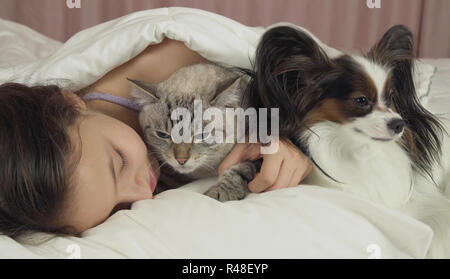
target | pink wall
x=346, y=24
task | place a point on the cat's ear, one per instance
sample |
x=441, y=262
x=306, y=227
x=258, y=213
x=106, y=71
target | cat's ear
x=230, y=95
x=143, y=92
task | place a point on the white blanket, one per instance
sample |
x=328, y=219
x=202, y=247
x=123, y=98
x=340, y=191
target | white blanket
x=301, y=222
x=93, y=52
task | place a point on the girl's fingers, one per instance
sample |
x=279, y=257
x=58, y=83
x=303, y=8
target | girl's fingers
x=307, y=167
x=304, y=168
x=241, y=152
x=297, y=177
x=287, y=172
x=268, y=175
x=286, y=168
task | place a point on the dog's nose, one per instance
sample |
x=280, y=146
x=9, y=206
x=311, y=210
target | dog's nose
x=396, y=125
x=181, y=161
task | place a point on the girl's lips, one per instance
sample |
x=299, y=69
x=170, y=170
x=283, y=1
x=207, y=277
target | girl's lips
x=153, y=180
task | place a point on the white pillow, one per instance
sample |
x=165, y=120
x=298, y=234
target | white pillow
x=300, y=222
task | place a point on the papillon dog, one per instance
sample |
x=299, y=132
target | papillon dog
x=359, y=120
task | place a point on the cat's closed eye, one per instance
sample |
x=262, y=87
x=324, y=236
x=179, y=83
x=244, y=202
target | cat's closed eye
x=162, y=135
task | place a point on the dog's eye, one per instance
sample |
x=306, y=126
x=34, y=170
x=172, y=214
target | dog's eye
x=361, y=101
x=162, y=135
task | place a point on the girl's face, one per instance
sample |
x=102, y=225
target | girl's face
x=115, y=169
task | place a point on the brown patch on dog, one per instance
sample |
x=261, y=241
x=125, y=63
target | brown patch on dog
x=409, y=144
x=369, y=88
x=341, y=110
x=328, y=110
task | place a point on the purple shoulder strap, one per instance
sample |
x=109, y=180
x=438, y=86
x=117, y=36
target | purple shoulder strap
x=113, y=99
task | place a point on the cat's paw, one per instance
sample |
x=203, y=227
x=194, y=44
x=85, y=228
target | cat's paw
x=222, y=194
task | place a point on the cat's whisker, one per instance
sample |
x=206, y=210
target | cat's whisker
x=161, y=165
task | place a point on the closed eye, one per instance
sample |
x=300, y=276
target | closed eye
x=123, y=159
x=162, y=135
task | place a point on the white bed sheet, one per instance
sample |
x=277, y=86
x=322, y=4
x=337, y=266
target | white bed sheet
x=438, y=100
x=301, y=222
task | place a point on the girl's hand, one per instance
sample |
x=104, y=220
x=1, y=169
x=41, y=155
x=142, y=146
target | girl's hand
x=285, y=168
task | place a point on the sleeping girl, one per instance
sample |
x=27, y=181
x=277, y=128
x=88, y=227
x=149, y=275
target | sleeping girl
x=69, y=163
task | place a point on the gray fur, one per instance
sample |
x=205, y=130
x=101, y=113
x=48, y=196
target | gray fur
x=216, y=87
x=232, y=185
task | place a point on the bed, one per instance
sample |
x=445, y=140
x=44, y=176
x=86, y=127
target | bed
x=299, y=222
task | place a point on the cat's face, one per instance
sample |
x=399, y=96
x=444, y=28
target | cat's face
x=185, y=157
x=155, y=119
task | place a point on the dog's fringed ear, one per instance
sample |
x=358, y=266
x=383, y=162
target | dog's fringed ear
x=396, y=51
x=143, y=92
x=287, y=61
x=285, y=48
x=396, y=46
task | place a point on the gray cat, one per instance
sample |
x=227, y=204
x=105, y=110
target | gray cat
x=185, y=162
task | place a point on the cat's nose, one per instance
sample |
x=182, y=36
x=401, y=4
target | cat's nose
x=181, y=161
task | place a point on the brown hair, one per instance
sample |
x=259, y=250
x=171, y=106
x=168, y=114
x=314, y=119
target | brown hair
x=35, y=151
